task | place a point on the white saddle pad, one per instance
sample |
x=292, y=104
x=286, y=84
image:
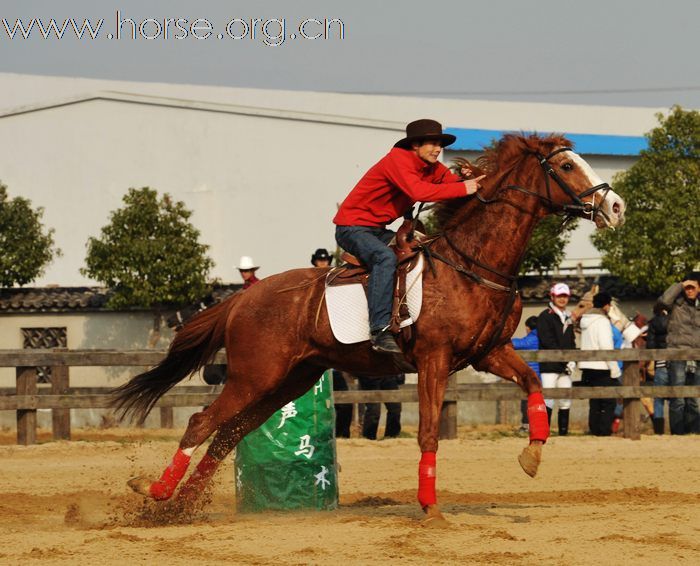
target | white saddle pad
x=347, y=307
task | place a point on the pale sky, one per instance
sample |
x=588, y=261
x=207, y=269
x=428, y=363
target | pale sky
x=638, y=53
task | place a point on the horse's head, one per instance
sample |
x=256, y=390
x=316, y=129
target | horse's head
x=573, y=186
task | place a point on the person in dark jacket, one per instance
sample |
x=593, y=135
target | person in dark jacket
x=555, y=330
x=321, y=258
x=656, y=340
x=683, y=304
x=528, y=342
x=370, y=420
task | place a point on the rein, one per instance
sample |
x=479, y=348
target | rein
x=576, y=205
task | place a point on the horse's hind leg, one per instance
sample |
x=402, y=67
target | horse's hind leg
x=505, y=363
x=230, y=433
x=200, y=427
x=238, y=395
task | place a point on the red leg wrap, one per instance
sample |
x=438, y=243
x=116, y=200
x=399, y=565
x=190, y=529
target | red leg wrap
x=202, y=474
x=537, y=415
x=165, y=486
x=426, y=479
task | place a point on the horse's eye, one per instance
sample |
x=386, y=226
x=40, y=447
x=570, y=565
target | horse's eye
x=567, y=166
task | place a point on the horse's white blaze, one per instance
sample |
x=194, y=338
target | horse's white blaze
x=613, y=205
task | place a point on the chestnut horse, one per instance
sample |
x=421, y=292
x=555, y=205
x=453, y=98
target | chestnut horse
x=278, y=338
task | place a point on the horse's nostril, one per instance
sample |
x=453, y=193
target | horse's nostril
x=616, y=208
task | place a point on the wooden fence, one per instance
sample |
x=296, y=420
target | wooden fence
x=27, y=398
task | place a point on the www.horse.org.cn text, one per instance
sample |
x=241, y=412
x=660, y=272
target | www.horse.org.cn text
x=271, y=32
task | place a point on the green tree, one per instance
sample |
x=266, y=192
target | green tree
x=660, y=239
x=26, y=247
x=149, y=255
x=545, y=251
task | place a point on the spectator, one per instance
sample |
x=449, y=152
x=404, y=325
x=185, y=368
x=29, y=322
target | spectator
x=343, y=411
x=321, y=258
x=596, y=334
x=528, y=342
x=370, y=421
x=215, y=374
x=656, y=340
x=247, y=269
x=555, y=330
x=618, y=344
x=681, y=300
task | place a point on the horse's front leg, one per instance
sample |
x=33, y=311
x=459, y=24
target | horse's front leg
x=432, y=380
x=505, y=363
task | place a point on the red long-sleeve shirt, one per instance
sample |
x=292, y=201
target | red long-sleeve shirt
x=393, y=185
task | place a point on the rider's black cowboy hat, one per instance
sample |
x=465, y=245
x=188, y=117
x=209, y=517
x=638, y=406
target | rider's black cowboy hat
x=425, y=129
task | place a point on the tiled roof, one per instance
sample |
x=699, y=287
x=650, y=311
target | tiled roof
x=536, y=289
x=23, y=300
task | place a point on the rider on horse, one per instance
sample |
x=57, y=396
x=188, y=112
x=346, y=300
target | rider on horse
x=410, y=172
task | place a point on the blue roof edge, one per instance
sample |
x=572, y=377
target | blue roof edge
x=469, y=139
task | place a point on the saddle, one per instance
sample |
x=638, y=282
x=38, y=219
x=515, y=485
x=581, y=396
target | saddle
x=407, y=249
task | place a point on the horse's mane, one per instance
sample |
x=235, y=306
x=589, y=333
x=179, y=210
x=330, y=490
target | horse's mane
x=498, y=161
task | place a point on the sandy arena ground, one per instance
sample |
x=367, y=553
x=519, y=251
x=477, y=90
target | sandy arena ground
x=595, y=501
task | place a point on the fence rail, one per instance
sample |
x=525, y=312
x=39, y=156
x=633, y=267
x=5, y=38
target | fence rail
x=28, y=397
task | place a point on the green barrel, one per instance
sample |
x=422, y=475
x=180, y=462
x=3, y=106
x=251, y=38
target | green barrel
x=289, y=462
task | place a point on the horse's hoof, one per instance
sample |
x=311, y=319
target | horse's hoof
x=530, y=459
x=141, y=485
x=434, y=519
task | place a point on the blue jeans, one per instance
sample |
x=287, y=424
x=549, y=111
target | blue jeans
x=370, y=246
x=660, y=378
x=683, y=413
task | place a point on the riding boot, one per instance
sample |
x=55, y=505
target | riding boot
x=563, y=420
x=549, y=416
x=659, y=425
x=383, y=341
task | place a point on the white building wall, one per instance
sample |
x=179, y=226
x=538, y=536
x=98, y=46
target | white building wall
x=261, y=186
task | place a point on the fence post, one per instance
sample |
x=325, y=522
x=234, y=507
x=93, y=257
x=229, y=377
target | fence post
x=167, y=419
x=26, y=418
x=631, y=407
x=448, y=412
x=60, y=418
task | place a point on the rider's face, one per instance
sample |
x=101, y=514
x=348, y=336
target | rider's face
x=428, y=150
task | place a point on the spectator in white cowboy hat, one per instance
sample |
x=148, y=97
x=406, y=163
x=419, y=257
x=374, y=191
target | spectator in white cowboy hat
x=555, y=330
x=321, y=258
x=247, y=269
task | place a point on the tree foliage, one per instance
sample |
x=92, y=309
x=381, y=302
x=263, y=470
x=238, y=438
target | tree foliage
x=149, y=254
x=545, y=251
x=660, y=239
x=26, y=247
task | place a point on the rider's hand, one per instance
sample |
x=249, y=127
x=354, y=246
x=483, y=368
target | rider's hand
x=473, y=185
x=466, y=172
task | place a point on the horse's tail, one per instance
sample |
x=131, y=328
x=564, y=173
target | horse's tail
x=193, y=347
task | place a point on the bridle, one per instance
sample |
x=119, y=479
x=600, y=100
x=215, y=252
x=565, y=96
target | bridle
x=576, y=205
